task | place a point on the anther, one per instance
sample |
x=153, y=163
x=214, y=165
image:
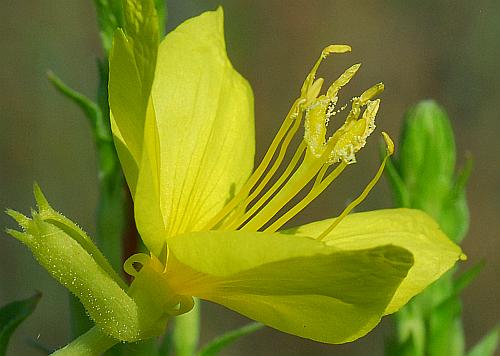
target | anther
x=312, y=74
x=342, y=80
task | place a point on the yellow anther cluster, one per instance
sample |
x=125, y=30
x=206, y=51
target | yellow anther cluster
x=352, y=135
x=258, y=205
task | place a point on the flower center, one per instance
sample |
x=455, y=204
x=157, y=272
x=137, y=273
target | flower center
x=318, y=157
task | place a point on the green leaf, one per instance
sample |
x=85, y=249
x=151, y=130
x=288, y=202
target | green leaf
x=409, y=340
x=12, y=315
x=423, y=177
x=109, y=18
x=70, y=256
x=161, y=10
x=454, y=217
x=405, y=348
x=132, y=63
x=89, y=108
x=49, y=215
x=223, y=341
x=487, y=345
x=445, y=329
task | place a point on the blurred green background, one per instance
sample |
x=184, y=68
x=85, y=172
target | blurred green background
x=446, y=50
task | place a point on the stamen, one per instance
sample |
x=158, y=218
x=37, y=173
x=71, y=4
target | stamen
x=314, y=90
x=312, y=159
x=351, y=137
x=312, y=75
x=303, y=175
x=390, y=150
x=276, y=164
x=371, y=93
x=320, y=176
x=313, y=194
x=344, y=79
x=310, y=89
x=309, y=168
x=315, y=125
x=288, y=171
x=318, y=114
x=293, y=114
x=357, y=103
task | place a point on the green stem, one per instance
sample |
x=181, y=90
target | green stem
x=186, y=334
x=111, y=213
x=112, y=206
x=93, y=342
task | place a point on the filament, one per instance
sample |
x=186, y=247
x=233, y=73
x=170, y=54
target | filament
x=312, y=159
x=313, y=194
x=366, y=191
x=294, y=112
x=288, y=171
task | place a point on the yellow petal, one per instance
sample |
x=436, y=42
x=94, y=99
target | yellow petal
x=413, y=230
x=204, y=128
x=292, y=283
x=148, y=216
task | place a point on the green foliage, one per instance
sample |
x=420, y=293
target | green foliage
x=162, y=13
x=423, y=177
x=89, y=108
x=113, y=207
x=71, y=257
x=111, y=213
x=132, y=63
x=12, y=315
x=109, y=18
x=165, y=347
x=216, y=345
x=487, y=345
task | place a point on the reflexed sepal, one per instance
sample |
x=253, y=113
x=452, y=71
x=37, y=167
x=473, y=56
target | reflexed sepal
x=153, y=295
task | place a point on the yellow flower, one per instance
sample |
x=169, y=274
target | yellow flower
x=183, y=123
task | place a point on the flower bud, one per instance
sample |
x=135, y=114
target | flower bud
x=423, y=174
x=69, y=255
x=125, y=313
